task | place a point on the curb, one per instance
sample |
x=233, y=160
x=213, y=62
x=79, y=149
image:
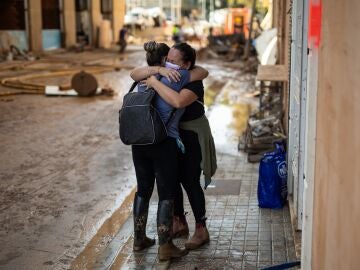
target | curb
x=93, y=251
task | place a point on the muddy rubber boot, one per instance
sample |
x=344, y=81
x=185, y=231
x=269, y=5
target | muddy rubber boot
x=167, y=249
x=140, y=212
x=180, y=227
x=200, y=237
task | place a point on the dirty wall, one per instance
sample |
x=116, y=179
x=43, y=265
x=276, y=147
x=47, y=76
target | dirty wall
x=282, y=22
x=32, y=29
x=336, y=235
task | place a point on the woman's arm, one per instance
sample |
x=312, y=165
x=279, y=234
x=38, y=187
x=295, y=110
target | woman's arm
x=198, y=74
x=178, y=100
x=141, y=73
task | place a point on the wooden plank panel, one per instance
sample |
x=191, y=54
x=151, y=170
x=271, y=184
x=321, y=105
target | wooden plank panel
x=276, y=73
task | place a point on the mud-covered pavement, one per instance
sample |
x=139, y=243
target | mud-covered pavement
x=64, y=170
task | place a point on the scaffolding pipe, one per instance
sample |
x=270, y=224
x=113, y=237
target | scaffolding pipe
x=203, y=10
x=247, y=45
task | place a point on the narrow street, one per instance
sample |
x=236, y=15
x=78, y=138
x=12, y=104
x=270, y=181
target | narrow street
x=68, y=181
x=282, y=99
x=242, y=236
x=64, y=171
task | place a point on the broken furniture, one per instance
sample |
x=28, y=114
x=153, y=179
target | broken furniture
x=271, y=78
x=265, y=126
x=25, y=84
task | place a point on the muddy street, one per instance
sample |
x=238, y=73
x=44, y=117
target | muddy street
x=64, y=170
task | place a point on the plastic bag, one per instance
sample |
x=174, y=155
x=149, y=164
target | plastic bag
x=272, y=185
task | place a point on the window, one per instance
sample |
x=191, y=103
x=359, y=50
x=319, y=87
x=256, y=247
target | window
x=50, y=14
x=12, y=15
x=106, y=6
x=81, y=5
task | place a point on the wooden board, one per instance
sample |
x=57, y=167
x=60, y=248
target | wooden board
x=275, y=73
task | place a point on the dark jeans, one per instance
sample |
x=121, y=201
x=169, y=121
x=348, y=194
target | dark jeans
x=123, y=44
x=189, y=177
x=158, y=161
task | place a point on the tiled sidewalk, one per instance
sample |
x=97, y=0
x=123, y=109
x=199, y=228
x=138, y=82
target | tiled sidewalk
x=242, y=236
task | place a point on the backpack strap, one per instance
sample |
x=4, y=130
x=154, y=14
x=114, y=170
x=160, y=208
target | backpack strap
x=198, y=101
x=133, y=86
x=172, y=112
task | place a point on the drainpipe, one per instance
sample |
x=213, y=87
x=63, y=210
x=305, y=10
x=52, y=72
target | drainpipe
x=247, y=45
x=62, y=27
x=27, y=24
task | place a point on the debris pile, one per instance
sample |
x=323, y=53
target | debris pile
x=221, y=44
x=84, y=83
x=264, y=127
x=14, y=53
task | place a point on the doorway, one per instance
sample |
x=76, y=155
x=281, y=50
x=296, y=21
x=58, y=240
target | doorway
x=297, y=110
x=83, y=25
x=51, y=33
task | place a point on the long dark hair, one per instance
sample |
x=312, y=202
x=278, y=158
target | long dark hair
x=188, y=53
x=155, y=52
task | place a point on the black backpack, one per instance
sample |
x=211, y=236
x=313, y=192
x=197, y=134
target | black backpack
x=139, y=122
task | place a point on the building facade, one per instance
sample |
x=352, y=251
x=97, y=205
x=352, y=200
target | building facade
x=38, y=25
x=322, y=108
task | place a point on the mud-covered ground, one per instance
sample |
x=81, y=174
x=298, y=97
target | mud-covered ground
x=64, y=170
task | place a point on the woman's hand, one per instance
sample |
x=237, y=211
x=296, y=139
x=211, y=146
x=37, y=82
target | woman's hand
x=149, y=82
x=171, y=74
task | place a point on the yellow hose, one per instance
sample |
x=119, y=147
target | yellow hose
x=37, y=88
x=2, y=93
